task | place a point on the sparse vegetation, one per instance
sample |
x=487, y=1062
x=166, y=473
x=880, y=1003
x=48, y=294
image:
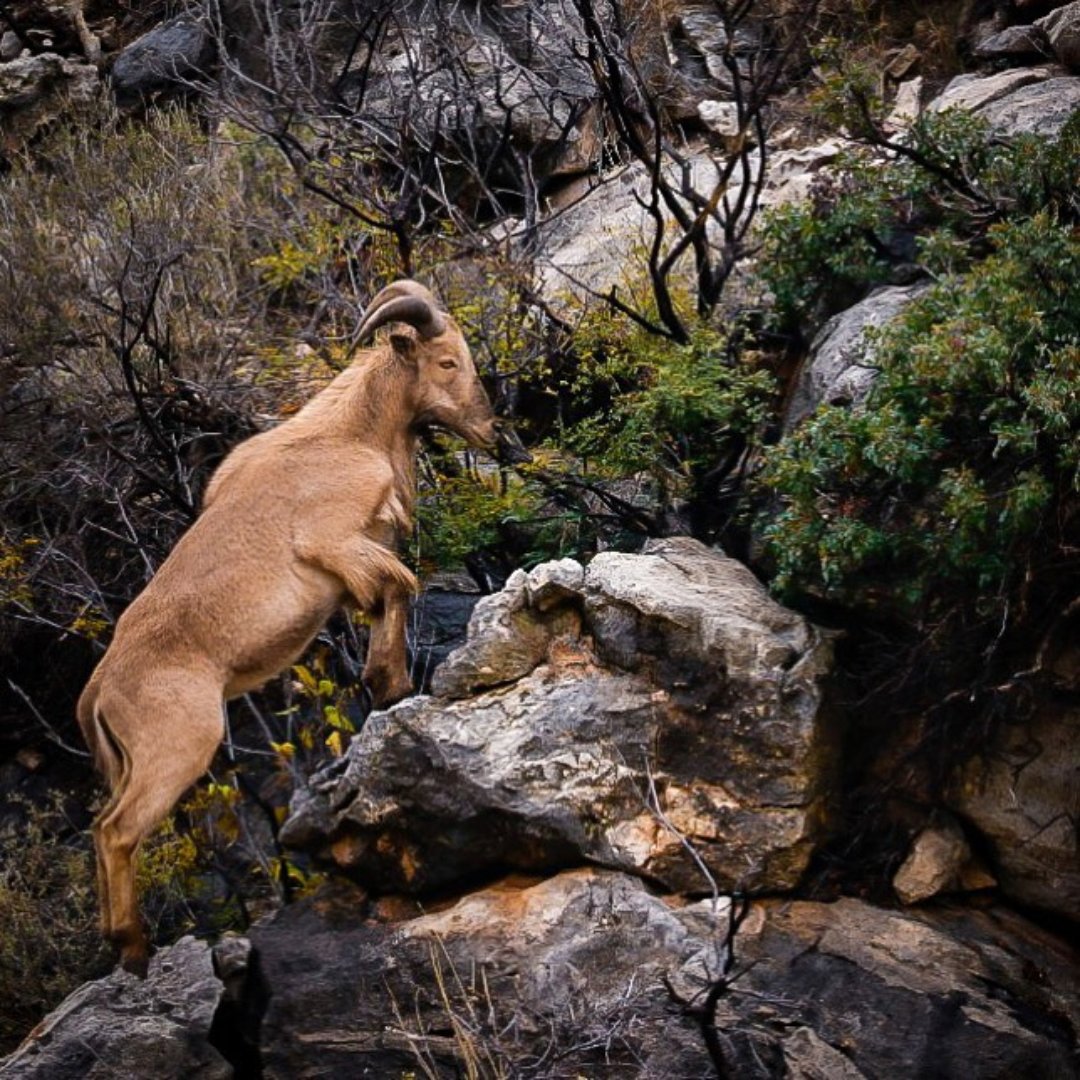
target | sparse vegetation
x=49, y=941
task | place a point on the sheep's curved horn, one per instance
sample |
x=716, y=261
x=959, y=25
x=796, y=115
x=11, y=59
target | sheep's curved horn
x=407, y=302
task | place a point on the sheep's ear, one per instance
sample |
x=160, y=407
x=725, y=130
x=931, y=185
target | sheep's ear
x=404, y=346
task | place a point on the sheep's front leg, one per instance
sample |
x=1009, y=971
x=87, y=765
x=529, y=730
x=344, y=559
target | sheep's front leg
x=380, y=585
x=386, y=673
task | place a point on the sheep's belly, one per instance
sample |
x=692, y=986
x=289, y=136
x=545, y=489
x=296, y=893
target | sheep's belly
x=279, y=639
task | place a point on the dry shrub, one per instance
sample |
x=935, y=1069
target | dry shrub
x=143, y=332
x=49, y=940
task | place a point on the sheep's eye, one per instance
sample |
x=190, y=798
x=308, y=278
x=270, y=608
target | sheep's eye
x=447, y=364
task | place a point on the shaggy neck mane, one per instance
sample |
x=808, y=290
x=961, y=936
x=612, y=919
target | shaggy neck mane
x=366, y=399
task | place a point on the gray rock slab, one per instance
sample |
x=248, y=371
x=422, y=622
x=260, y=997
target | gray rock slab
x=592, y=238
x=589, y=973
x=973, y=91
x=1038, y=109
x=1036, y=100
x=1016, y=43
x=122, y=1026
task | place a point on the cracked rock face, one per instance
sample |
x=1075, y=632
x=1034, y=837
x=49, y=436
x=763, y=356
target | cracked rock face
x=125, y=1026
x=601, y=715
x=1023, y=796
x=849, y=990
x=35, y=90
x=583, y=974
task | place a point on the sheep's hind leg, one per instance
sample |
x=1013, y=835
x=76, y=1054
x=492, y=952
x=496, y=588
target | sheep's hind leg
x=171, y=733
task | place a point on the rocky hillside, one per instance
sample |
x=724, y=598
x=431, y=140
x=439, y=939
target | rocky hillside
x=626, y=738
x=745, y=743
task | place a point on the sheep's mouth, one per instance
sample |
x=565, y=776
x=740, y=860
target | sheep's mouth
x=504, y=445
x=509, y=449
x=430, y=429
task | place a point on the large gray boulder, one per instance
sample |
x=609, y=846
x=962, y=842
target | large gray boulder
x=1062, y=28
x=658, y=713
x=489, y=86
x=1036, y=101
x=123, y=1026
x=589, y=973
x=840, y=368
x=1039, y=109
x=167, y=60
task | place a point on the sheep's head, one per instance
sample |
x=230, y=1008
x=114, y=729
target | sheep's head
x=449, y=393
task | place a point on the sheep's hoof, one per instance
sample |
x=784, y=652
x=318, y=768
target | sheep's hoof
x=135, y=962
x=134, y=952
x=386, y=689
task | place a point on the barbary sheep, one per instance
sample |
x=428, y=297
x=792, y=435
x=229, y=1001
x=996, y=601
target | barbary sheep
x=296, y=521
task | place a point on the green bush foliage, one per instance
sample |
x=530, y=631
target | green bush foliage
x=464, y=510
x=957, y=481
x=664, y=408
x=967, y=445
x=650, y=431
x=948, y=187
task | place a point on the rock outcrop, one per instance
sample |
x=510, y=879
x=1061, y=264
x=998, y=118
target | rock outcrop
x=1022, y=796
x=590, y=973
x=657, y=713
x=125, y=1026
x=839, y=369
x=847, y=990
x=1062, y=30
x=166, y=62
x=518, y=859
x=1036, y=100
x=37, y=89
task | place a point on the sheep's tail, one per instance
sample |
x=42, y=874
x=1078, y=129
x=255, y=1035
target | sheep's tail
x=103, y=747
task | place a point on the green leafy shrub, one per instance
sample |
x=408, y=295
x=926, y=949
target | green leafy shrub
x=666, y=406
x=963, y=466
x=947, y=183
x=677, y=419
x=465, y=511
